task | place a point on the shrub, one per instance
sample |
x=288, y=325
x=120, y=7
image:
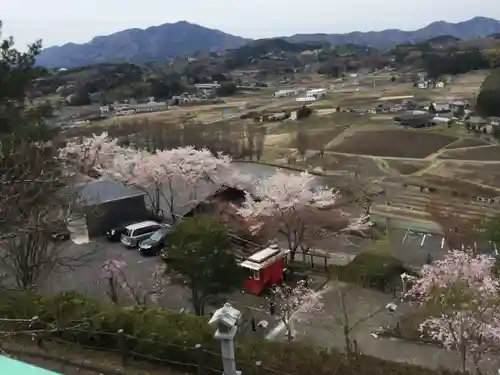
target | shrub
x=172, y=337
x=372, y=270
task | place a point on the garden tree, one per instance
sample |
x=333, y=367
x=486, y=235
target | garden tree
x=488, y=100
x=227, y=89
x=30, y=175
x=461, y=293
x=117, y=281
x=290, y=205
x=199, y=257
x=296, y=302
x=302, y=139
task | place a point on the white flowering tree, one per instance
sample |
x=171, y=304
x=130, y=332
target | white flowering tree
x=464, y=292
x=92, y=153
x=290, y=205
x=173, y=179
x=295, y=301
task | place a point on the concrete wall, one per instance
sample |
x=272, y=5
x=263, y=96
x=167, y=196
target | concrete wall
x=107, y=215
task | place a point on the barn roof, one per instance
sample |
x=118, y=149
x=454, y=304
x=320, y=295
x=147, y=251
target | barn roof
x=104, y=191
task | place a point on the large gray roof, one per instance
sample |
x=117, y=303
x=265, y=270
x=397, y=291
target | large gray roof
x=102, y=191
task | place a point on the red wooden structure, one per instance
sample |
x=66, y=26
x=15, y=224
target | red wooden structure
x=265, y=269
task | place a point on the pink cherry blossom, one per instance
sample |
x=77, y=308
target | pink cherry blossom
x=298, y=300
x=288, y=204
x=173, y=178
x=463, y=288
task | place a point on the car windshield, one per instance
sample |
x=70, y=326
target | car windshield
x=159, y=234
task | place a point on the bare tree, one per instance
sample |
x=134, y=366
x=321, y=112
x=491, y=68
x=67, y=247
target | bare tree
x=348, y=320
x=31, y=257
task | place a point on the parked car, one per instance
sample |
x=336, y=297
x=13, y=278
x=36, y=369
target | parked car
x=154, y=244
x=114, y=234
x=60, y=236
x=135, y=233
x=60, y=232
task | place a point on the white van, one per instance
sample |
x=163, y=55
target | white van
x=135, y=233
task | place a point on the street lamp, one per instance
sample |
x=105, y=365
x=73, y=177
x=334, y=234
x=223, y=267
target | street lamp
x=226, y=320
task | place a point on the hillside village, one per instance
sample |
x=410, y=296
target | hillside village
x=277, y=206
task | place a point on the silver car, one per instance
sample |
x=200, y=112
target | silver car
x=137, y=232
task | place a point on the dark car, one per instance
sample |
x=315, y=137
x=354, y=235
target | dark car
x=114, y=234
x=154, y=244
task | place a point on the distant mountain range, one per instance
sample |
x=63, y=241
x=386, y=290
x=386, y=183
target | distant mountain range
x=160, y=43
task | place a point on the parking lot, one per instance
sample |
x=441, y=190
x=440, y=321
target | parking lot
x=87, y=278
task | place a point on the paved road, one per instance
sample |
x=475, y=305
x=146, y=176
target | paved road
x=325, y=330
x=87, y=279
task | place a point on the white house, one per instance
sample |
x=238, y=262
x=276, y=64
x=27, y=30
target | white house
x=288, y=92
x=317, y=93
x=207, y=86
x=423, y=85
x=439, y=85
x=306, y=99
x=104, y=109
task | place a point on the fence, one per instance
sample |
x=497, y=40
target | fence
x=195, y=360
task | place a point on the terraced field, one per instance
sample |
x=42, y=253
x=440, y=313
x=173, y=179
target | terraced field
x=485, y=153
x=393, y=143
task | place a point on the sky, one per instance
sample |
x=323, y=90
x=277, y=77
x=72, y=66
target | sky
x=59, y=21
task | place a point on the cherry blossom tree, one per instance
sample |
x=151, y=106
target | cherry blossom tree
x=463, y=292
x=117, y=281
x=290, y=205
x=92, y=153
x=175, y=179
x=295, y=301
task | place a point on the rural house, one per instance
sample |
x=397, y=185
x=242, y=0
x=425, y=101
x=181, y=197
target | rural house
x=288, y=92
x=106, y=203
x=317, y=93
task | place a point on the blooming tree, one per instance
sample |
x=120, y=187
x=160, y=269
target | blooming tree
x=114, y=275
x=92, y=153
x=296, y=300
x=176, y=178
x=463, y=290
x=289, y=204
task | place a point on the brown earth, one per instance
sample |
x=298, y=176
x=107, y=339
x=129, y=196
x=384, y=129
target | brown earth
x=318, y=139
x=480, y=153
x=393, y=143
x=467, y=142
x=406, y=167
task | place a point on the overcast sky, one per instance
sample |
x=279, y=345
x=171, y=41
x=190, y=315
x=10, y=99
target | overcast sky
x=61, y=21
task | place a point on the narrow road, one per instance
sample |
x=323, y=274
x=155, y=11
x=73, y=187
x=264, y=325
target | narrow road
x=271, y=104
x=325, y=330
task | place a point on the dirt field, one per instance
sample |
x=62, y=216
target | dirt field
x=317, y=139
x=406, y=167
x=480, y=153
x=467, y=142
x=365, y=167
x=487, y=175
x=393, y=143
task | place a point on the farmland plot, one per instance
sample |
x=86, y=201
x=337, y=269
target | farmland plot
x=393, y=143
x=480, y=153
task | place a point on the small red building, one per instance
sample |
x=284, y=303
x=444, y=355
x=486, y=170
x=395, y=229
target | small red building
x=265, y=269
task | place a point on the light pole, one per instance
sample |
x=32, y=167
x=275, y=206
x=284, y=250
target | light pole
x=226, y=320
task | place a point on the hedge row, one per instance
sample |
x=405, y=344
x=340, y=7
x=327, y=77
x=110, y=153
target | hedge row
x=373, y=270
x=173, y=336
